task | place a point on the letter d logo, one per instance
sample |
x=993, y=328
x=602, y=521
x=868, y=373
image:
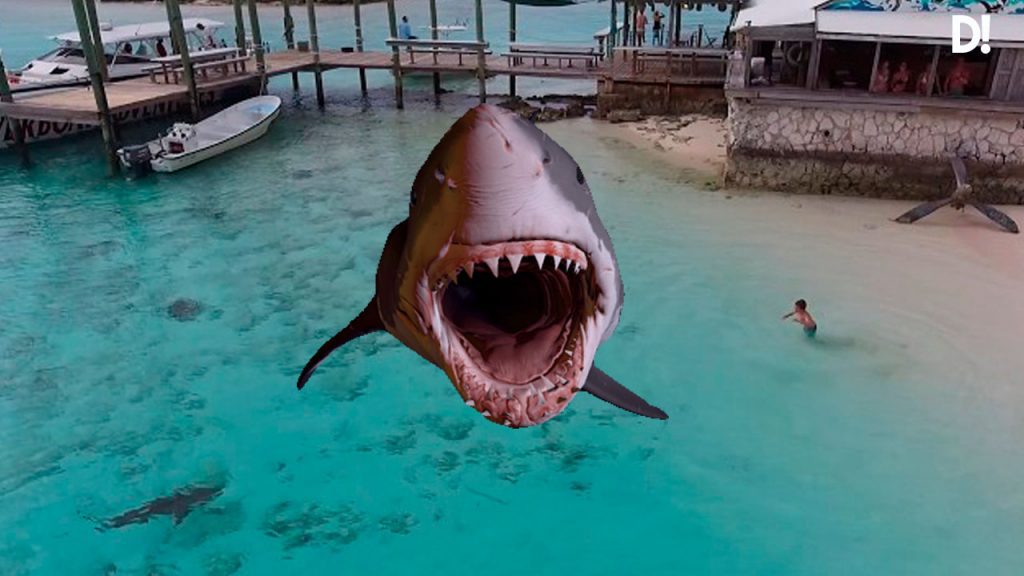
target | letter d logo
x=958, y=23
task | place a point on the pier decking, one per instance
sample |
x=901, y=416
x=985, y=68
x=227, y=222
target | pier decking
x=78, y=105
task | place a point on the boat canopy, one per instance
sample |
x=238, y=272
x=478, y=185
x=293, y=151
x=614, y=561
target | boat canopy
x=135, y=32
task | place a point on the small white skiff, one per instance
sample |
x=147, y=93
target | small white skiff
x=188, y=144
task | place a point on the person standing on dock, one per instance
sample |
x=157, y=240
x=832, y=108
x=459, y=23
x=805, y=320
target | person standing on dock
x=161, y=50
x=656, y=37
x=208, y=39
x=405, y=30
x=640, y=26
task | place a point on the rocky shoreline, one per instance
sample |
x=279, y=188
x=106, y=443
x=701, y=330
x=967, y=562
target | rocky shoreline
x=550, y=108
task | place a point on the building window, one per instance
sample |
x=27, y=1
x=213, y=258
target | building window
x=968, y=74
x=845, y=65
x=780, y=63
x=904, y=69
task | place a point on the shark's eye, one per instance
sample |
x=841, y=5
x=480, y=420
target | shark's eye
x=579, y=176
x=412, y=197
x=439, y=174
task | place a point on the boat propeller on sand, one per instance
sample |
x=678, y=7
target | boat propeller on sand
x=960, y=199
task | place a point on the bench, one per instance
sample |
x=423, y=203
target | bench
x=519, y=52
x=163, y=67
x=435, y=47
x=438, y=50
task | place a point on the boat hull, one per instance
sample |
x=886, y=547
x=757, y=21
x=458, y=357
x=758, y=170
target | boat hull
x=173, y=163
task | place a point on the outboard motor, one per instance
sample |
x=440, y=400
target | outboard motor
x=136, y=159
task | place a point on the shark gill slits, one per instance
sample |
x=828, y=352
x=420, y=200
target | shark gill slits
x=579, y=176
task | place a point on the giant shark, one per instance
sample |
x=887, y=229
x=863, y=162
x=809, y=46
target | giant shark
x=503, y=275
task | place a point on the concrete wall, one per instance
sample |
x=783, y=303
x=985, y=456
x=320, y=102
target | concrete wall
x=872, y=150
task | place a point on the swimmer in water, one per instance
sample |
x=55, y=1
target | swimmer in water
x=801, y=316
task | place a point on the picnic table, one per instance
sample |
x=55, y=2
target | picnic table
x=558, y=52
x=435, y=47
x=201, y=60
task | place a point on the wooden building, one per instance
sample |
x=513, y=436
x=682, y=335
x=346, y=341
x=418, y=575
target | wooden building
x=834, y=96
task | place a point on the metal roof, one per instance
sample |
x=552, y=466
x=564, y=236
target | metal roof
x=762, y=13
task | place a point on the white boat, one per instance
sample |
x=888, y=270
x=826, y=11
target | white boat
x=187, y=144
x=128, y=49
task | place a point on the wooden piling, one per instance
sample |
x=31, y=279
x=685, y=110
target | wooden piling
x=16, y=126
x=179, y=40
x=289, y=37
x=239, y=26
x=511, y=38
x=433, y=36
x=396, y=63
x=626, y=40
x=97, y=38
x=679, y=23
x=359, y=43
x=257, y=44
x=314, y=45
x=672, y=26
x=481, y=63
x=96, y=79
x=609, y=43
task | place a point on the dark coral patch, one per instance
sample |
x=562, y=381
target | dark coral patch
x=184, y=309
x=399, y=523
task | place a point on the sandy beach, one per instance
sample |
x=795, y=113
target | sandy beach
x=693, y=142
x=954, y=272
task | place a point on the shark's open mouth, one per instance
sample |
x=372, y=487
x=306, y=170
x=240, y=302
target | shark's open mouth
x=511, y=319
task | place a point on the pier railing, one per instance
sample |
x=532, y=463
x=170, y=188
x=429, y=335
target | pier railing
x=678, y=65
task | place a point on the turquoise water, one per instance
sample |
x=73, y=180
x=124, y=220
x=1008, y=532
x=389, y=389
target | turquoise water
x=890, y=446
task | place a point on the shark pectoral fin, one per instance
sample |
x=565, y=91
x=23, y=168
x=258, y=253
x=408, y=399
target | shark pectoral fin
x=606, y=388
x=368, y=321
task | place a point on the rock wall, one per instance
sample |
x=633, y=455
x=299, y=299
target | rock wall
x=659, y=99
x=825, y=149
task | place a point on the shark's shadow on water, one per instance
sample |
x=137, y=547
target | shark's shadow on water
x=178, y=505
x=837, y=343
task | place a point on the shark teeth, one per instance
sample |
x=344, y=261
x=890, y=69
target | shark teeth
x=492, y=263
x=514, y=260
x=456, y=259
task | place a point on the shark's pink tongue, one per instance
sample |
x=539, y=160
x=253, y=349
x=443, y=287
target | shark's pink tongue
x=519, y=359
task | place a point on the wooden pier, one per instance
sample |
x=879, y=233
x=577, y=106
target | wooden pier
x=207, y=82
x=78, y=104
